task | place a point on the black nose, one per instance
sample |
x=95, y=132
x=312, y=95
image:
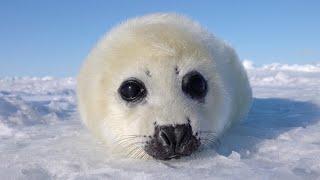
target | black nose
x=175, y=137
x=172, y=142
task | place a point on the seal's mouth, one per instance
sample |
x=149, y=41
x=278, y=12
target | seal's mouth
x=172, y=142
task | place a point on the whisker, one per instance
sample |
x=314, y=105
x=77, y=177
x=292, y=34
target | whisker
x=133, y=149
x=208, y=131
x=132, y=144
x=145, y=156
x=129, y=145
x=138, y=152
x=209, y=138
x=125, y=145
x=210, y=143
x=126, y=140
x=140, y=155
x=132, y=135
x=134, y=154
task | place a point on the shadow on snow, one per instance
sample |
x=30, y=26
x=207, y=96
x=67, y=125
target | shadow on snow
x=268, y=118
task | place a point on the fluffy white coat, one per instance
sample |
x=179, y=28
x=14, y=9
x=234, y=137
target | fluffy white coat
x=160, y=43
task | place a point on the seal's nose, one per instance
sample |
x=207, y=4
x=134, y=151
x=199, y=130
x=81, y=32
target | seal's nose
x=172, y=141
x=175, y=137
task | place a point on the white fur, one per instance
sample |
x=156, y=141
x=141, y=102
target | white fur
x=159, y=43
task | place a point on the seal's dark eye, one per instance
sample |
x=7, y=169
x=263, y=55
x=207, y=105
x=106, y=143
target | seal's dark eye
x=194, y=85
x=132, y=90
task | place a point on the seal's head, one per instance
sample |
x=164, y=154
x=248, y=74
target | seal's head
x=160, y=86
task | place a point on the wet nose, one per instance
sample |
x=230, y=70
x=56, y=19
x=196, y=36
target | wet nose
x=172, y=141
x=174, y=137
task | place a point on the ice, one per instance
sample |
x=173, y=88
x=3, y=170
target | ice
x=41, y=136
x=5, y=131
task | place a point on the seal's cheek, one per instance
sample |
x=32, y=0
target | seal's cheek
x=172, y=142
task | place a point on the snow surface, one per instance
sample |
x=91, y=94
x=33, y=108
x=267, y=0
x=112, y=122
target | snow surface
x=41, y=136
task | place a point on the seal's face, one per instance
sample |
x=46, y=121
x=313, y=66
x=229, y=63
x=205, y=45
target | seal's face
x=161, y=102
x=160, y=87
x=170, y=140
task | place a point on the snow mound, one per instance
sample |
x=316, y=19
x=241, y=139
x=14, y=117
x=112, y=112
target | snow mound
x=41, y=136
x=20, y=109
x=284, y=67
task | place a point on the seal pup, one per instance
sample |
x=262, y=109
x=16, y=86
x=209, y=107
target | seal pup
x=159, y=86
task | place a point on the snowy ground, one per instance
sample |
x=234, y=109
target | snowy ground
x=41, y=136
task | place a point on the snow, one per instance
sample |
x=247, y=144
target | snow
x=41, y=136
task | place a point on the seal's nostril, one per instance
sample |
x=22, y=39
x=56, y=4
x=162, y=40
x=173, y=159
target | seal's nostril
x=165, y=138
x=183, y=134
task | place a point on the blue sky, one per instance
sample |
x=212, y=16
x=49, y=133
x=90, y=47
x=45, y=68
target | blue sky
x=43, y=37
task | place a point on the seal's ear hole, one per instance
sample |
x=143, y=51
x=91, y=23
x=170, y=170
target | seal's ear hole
x=132, y=90
x=194, y=85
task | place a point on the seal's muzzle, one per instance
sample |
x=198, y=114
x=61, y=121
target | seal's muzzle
x=172, y=141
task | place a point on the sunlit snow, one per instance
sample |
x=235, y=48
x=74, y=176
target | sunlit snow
x=41, y=136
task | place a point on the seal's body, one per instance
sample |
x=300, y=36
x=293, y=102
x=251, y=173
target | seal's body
x=159, y=86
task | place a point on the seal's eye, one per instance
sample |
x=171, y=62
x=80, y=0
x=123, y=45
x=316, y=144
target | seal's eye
x=194, y=85
x=132, y=90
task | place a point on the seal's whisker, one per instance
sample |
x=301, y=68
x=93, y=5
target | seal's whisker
x=128, y=138
x=207, y=131
x=142, y=154
x=123, y=140
x=206, y=139
x=209, y=138
x=145, y=156
x=130, y=154
x=130, y=144
x=132, y=150
x=216, y=143
x=132, y=135
x=208, y=135
x=136, y=152
x=139, y=152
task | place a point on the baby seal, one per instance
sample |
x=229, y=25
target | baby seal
x=160, y=86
